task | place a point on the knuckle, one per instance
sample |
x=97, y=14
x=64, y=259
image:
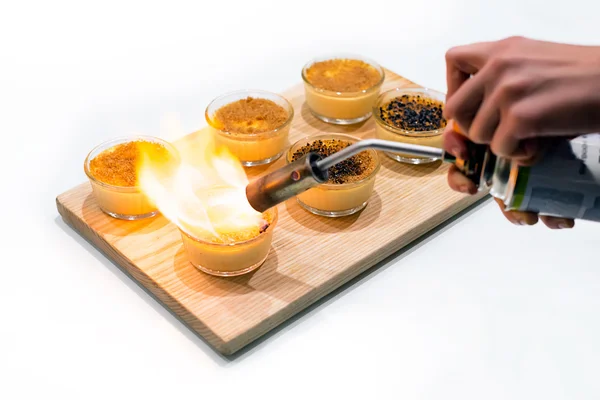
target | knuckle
x=519, y=85
x=511, y=89
x=500, y=63
x=452, y=54
x=523, y=117
x=513, y=40
x=508, y=53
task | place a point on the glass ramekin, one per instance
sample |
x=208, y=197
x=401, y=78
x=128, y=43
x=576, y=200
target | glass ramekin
x=341, y=108
x=385, y=131
x=336, y=200
x=123, y=202
x=231, y=259
x=252, y=148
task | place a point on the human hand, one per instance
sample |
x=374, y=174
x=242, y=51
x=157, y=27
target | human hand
x=511, y=92
x=456, y=143
x=513, y=95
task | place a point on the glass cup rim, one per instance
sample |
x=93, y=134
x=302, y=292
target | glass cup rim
x=403, y=132
x=342, y=136
x=254, y=239
x=258, y=92
x=348, y=56
x=120, y=140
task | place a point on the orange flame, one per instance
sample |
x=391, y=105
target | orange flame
x=205, y=195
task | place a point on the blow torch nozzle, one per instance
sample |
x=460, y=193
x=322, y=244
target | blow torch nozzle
x=276, y=187
x=311, y=170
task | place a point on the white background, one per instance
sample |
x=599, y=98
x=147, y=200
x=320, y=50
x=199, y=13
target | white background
x=479, y=309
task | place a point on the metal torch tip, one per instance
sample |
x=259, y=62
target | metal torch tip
x=276, y=187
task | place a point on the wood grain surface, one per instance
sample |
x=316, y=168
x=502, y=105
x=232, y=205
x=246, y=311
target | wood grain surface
x=310, y=256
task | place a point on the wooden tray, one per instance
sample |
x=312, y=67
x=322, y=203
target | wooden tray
x=311, y=256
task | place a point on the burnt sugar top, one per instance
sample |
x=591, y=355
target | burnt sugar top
x=413, y=112
x=353, y=169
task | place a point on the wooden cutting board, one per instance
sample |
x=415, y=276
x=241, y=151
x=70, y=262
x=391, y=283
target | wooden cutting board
x=311, y=256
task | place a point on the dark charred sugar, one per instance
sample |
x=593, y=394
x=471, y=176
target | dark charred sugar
x=413, y=113
x=347, y=171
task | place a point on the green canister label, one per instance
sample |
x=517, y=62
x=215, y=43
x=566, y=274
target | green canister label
x=566, y=183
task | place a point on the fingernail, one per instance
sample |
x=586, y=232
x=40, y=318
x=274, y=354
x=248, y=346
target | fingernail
x=520, y=222
x=463, y=189
x=455, y=151
x=563, y=225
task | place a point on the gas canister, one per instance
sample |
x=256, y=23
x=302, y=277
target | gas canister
x=565, y=183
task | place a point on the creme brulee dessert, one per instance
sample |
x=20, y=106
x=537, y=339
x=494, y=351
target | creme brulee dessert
x=342, y=89
x=253, y=125
x=350, y=183
x=412, y=116
x=230, y=251
x=112, y=169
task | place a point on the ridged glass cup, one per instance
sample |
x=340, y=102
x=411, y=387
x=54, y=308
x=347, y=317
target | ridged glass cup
x=341, y=108
x=230, y=259
x=336, y=200
x=123, y=202
x=385, y=131
x=251, y=149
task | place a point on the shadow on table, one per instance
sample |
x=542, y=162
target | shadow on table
x=261, y=343
x=308, y=224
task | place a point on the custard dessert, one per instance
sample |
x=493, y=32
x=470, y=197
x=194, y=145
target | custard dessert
x=341, y=90
x=113, y=167
x=231, y=252
x=412, y=116
x=253, y=125
x=350, y=183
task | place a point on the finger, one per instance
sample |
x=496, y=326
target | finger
x=464, y=104
x=557, y=223
x=485, y=122
x=537, y=148
x=506, y=140
x=528, y=152
x=517, y=217
x=464, y=61
x=459, y=182
x=537, y=116
x=454, y=79
x=454, y=142
x=549, y=115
